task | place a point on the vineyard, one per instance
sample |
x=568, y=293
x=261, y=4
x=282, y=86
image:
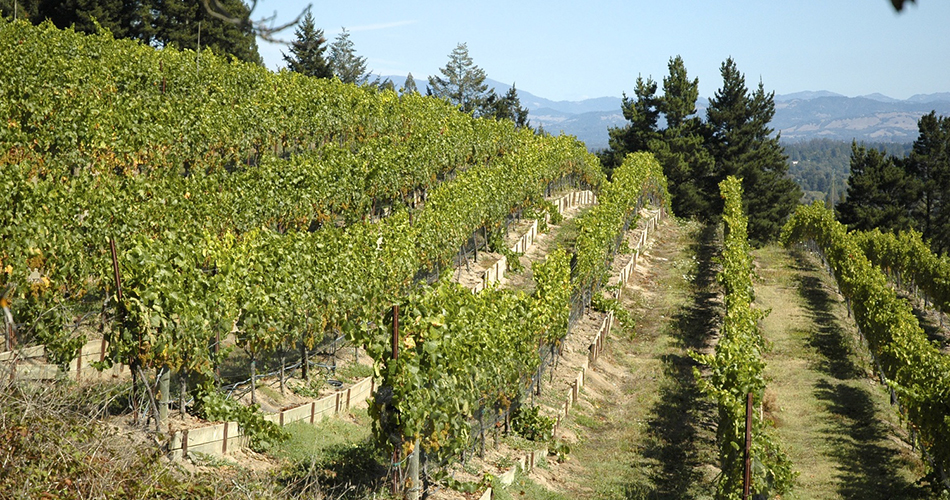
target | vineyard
x=911, y=366
x=194, y=228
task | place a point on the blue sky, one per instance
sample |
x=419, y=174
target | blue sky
x=574, y=50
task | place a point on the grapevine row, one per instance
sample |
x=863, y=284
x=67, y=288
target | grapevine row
x=913, y=367
x=271, y=249
x=463, y=357
x=908, y=257
x=737, y=368
x=600, y=229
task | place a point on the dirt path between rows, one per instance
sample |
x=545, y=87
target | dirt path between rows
x=835, y=419
x=644, y=429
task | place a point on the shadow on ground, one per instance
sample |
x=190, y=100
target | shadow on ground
x=684, y=417
x=868, y=468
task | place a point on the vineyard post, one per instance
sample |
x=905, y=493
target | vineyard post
x=747, y=477
x=8, y=320
x=164, y=393
x=414, y=486
x=304, y=361
x=217, y=349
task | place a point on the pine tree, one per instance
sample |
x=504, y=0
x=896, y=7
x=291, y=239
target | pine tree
x=386, y=84
x=880, y=192
x=929, y=167
x=117, y=16
x=410, y=86
x=642, y=113
x=462, y=82
x=346, y=65
x=507, y=107
x=306, y=52
x=226, y=25
x=680, y=148
x=743, y=145
x=679, y=94
x=177, y=22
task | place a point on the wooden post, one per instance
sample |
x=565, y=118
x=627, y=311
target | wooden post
x=395, y=332
x=164, y=393
x=396, y=486
x=415, y=486
x=747, y=478
x=217, y=349
x=8, y=322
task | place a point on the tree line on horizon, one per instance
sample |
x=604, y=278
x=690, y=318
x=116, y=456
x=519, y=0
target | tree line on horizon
x=734, y=140
x=461, y=82
x=193, y=25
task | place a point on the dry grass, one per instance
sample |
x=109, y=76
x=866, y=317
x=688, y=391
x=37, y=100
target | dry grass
x=57, y=441
x=645, y=430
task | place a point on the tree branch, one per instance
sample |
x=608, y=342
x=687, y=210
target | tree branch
x=263, y=27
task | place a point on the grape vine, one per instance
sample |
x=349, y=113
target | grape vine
x=737, y=368
x=913, y=367
x=906, y=256
x=267, y=205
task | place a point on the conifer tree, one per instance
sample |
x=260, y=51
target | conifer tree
x=643, y=114
x=462, y=82
x=929, y=167
x=160, y=23
x=346, y=65
x=306, y=52
x=507, y=107
x=743, y=145
x=410, y=86
x=879, y=192
x=680, y=148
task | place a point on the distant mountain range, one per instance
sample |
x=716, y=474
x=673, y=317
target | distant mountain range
x=799, y=116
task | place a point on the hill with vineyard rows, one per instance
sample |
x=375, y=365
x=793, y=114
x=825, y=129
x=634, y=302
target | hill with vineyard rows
x=225, y=248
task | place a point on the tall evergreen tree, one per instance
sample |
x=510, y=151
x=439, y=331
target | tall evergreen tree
x=24, y=10
x=346, y=65
x=642, y=112
x=462, y=82
x=743, y=145
x=184, y=23
x=506, y=107
x=384, y=84
x=880, y=192
x=929, y=167
x=410, y=86
x=679, y=95
x=161, y=23
x=306, y=52
x=118, y=16
x=680, y=148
